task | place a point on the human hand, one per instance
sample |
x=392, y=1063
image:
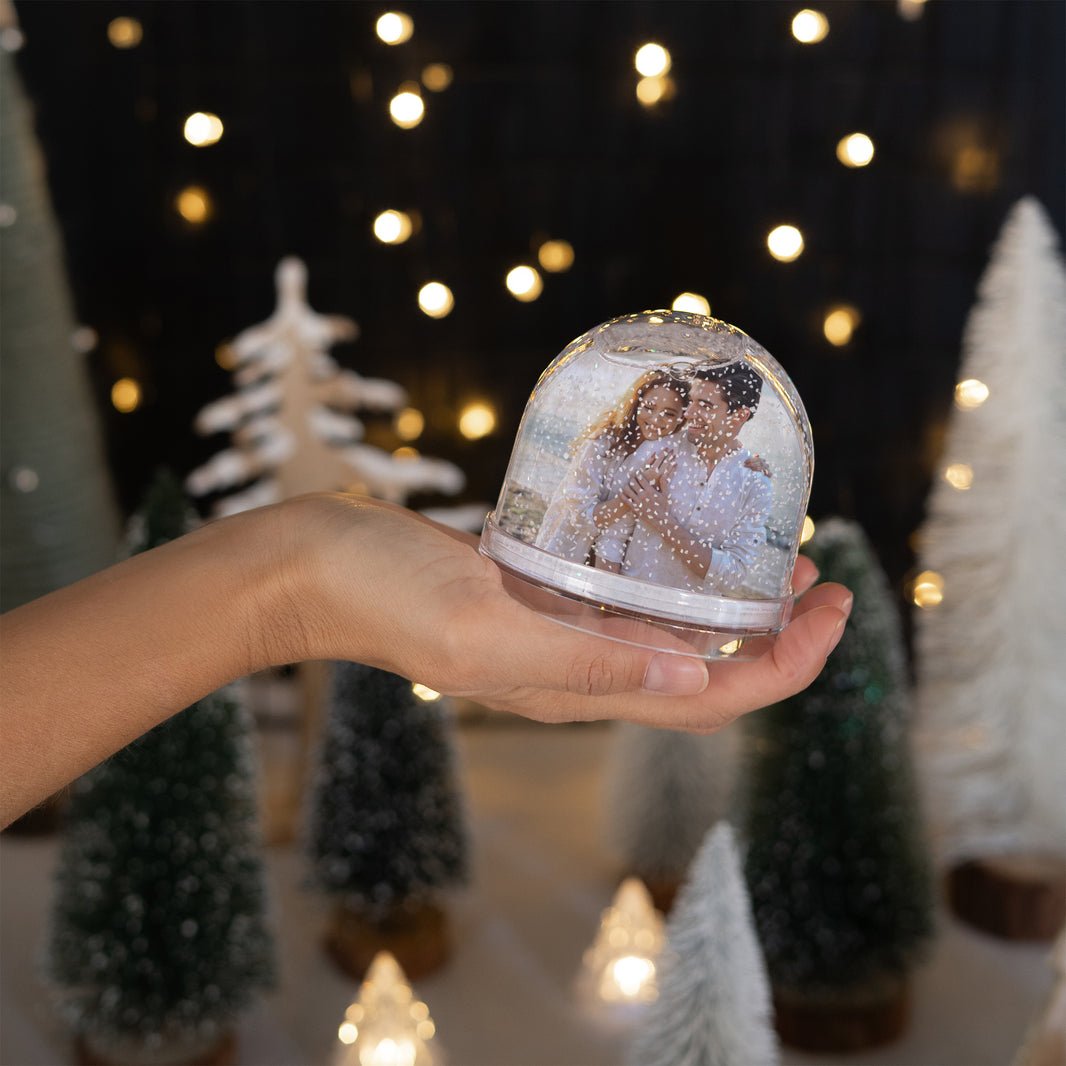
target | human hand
x=381, y=585
x=649, y=496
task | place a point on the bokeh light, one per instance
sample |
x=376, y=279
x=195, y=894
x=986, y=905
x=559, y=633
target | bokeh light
x=652, y=60
x=194, y=204
x=409, y=423
x=125, y=32
x=808, y=529
x=436, y=77
x=524, y=283
x=810, y=26
x=407, y=109
x=126, y=395
x=840, y=324
x=959, y=476
x=691, y=301
x=785, y=243
x=425, y=693
x=203, y=128
x=394, y=27
x=927, y=589
x=436, y=299
x=970, y=393
x=477, y=420
x=393, y=227
x=556, y=256
x=855, y=150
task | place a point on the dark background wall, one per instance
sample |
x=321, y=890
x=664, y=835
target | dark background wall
x=540, y=134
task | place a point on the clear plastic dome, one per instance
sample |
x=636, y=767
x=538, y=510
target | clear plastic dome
x=657, y=488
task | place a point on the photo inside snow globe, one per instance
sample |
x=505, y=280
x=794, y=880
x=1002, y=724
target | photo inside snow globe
x=657, y=488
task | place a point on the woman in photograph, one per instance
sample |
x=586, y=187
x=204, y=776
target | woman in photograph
x=588, y=519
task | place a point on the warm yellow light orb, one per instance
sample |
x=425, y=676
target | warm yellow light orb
x=426, y=695
x=407, y=110
x=928, y=589
x=840, y=323
x=651, y=90
x=409, y=423
x=810, y=27
x=393, y=227
x=556, y=256
x=436, y=299
x=194, y=204
x=126, y=395
x=125, y=32
x=652, y=61
x=959, y=476
x=730, y=648
x=691, y=301
x=808, y=529
x=524, y=283
x=405, y=452
x=785, y=243
x=855, y=150
x=347, y=1033
x=203, y=128
x=970, y=393
x=394, y=27
x=436, y=77
x=477, y=420
x=631, y=973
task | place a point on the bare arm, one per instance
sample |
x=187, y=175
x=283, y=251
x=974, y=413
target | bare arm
x=88, y=668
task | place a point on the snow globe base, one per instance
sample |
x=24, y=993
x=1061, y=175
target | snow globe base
x=657, y=488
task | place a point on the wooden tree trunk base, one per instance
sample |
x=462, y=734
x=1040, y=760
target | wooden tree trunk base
x=844, y=1022
x=1016, y=897
x=420, y=940
x=223, y=1053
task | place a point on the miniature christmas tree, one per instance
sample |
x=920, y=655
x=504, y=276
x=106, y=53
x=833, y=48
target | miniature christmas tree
x=835, y=856
x=158, y=935
x=387, y=829
x=990, y=649
x=714, y=999
x=386, y=1026
x=619, y=967
x=58, y=520
x=291, y=415
x=665, y=789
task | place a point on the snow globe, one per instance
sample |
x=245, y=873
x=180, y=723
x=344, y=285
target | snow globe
x=657, y=488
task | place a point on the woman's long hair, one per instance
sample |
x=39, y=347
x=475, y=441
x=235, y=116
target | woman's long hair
x=620, y=423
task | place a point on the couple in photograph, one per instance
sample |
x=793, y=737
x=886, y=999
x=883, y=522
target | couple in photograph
x=661, y=489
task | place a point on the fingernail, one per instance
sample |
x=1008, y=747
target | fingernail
x=675, y=675
x=846, y=605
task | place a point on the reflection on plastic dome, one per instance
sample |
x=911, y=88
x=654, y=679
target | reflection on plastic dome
x=658, y=486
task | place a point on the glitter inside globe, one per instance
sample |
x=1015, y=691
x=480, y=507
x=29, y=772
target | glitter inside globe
x=657, y=488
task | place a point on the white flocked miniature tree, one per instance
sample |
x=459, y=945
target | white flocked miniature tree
x=990, y=654
x=291, y=415
x=714, y=1004
x=664, y=791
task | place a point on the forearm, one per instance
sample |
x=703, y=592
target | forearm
x=695, y=554
x=89, y=667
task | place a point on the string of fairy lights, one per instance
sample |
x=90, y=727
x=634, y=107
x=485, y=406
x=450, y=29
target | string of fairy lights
x=525, y=280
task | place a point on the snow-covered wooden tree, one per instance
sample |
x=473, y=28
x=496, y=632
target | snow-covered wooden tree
x=990, y=662
x=159, y=935
x=292, y=415
x=714, y=1003
x=664, y=790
